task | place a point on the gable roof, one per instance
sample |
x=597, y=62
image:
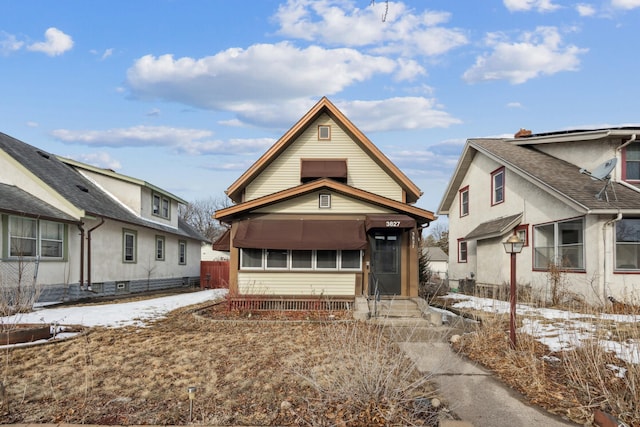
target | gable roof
x=422, y=216
x=77, y=190
x=555, y=176
x=435, y=253
x=494, y=228
x=324, y=106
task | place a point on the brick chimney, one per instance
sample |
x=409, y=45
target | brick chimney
x=522, y=133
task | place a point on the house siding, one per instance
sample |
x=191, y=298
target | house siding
x=306, y=284
x=284, y=171
x=309, y=203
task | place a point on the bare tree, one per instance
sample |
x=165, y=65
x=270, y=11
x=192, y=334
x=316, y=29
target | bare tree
x=438, y=236
x=199, y=215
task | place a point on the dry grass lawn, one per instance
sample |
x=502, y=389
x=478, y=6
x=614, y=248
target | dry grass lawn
x=243, y=372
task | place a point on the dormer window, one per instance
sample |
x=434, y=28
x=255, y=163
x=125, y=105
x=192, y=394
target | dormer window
x=161, y=206
x=324, y=132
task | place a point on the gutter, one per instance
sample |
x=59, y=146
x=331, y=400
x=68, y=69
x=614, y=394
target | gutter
x=89, y=253
x=633, y=138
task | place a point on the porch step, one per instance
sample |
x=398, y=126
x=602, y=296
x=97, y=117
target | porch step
x=395, y=308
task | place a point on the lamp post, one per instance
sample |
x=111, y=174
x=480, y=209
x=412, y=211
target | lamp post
x=192, y=394
x=513, y=245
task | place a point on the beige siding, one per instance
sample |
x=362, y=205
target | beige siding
x=308, y=283
x=284, y=171
x=309, y=203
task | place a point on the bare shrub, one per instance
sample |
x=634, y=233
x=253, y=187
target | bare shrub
x=367, y=378
x=19, y=289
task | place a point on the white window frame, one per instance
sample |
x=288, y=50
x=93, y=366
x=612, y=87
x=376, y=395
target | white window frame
x=494, y=188
x=324, y=201
x=557, y=247
x=464, y=206
x=327, y=129
x=314, y=262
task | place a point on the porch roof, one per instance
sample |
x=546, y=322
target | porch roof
x=301, y=234
x=494, y=228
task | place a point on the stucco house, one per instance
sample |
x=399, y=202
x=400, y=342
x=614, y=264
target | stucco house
x=93, y=231
x=579, y=232
x=438, y=261
x=324, y=213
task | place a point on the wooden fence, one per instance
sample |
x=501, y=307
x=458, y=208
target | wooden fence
x=214, y=274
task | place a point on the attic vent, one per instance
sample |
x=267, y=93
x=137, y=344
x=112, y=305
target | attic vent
x=43, y=154
x=325, y=201
x=82, y=188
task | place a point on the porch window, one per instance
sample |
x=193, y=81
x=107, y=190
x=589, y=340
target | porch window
x=281, y=259
x=628, y=244
x=302, y=259
x=462, y=250
x=560, y=243
x=350, y=260
x=251, y=258
x=277, y=258
x=129, y=244
x=326, y=259
x=464, y=201
x=497, y=186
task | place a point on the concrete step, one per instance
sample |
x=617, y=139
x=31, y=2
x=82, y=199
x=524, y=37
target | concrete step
x=395, y=308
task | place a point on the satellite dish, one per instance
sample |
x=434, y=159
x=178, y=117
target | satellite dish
x=603, y=173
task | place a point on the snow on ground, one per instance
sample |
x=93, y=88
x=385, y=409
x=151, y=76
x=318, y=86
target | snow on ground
x=134, y=313
x=561, y=329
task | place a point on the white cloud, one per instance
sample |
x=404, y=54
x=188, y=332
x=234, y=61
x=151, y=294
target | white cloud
x=536, y=53
x=56, y=43
x=625, y=4
x=397, y=114
x=526, y=5
x=267, y=72
x=32, y=124
x=341, y=23
x=154, y=112
x=107, y=53
x=99, y=159
x=9, y=43
x=585, y=9
x=514, y=105
x=188, y=141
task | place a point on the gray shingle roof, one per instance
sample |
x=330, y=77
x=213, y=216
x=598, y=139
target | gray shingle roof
x=435, y=253
x=19, y=202
x=77, y=189
x=559, y=175
x=494, y=228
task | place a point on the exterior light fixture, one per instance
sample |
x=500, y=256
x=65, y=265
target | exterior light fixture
x=192, y=395
x=513, y=246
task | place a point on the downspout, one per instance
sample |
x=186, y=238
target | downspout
x=606, y=257
x=89, y=253
x=633, y=138
x=81, y=228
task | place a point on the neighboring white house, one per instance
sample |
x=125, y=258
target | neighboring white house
x=95, y=232
x=438, y=261
x=210, y=254
x=532, y=185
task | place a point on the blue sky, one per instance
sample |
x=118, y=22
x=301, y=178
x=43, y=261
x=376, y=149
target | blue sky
x=188, y=94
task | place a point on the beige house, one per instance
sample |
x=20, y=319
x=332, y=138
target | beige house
x=538, y=186
x=324, y=213
x=93, y=231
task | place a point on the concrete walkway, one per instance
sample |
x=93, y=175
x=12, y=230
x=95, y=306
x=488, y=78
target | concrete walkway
x=471, y=392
